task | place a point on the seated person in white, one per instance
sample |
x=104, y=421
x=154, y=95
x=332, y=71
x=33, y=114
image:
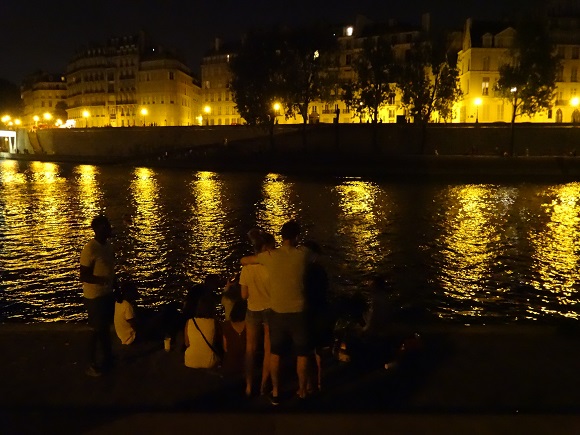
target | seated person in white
x=201, y=336
x=125, y=318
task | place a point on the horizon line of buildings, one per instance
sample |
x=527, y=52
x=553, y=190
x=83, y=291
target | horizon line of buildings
x=128, y=81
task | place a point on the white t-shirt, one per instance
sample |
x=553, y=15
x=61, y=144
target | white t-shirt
x=256, y=278
x=101, y=259
x=198, y=354
x=123, y=313
x=286, y=266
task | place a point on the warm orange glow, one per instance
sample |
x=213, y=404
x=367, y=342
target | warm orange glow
x=144, y=111
x=86, y=114
x=207, y=109
x=47, y=116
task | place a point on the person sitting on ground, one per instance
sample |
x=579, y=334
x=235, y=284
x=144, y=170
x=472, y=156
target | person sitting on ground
x=234, y=340
x=125, y=318
x=189, y=307
x=255, y=287
x=200, y=336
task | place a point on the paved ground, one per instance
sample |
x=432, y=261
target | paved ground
x=466, y=380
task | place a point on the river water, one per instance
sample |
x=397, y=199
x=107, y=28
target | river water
x=470, y=253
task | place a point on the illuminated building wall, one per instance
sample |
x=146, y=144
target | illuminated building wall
x=166, y=91
x=486, y=47
x=105, y=88
x=40, y=93
x=218, y=107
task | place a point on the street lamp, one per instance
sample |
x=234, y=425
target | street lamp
x=207, y=111
x=574, y=101
x=35, y=118
x=477, y=104
x=144, y=113
x=47, y=117
x=86, y=115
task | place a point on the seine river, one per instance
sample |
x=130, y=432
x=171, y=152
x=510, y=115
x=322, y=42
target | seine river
x=469, y=253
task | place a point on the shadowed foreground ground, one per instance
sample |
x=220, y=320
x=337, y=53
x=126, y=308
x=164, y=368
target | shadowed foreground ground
x=467, y=380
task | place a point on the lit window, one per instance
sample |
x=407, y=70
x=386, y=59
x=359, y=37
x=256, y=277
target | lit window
x=349, y=31
x=485, y=86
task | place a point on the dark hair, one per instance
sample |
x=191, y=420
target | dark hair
x=268, y=240
x=126, y=289
x=192, y=298
x=290, y=230
x=238, y=312
x=313, y=246
x=99, y=220
x=212, y=281
x=205, y=307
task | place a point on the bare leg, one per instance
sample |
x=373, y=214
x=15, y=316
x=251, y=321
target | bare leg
x=266, y=363
x=302, y=372
x=274, y=372
x=251, y=344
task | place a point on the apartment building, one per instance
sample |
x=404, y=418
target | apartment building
x=41, y=93
x=218, y=107
x=126, y=82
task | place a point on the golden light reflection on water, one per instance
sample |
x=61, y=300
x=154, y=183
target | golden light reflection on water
x=9, y=173
x=362, y=218
x=90, y=194
x=556, y=248
x=49, y=219
x=144, y=227
x=278, y=204
x=471, y=233
x=207, y=226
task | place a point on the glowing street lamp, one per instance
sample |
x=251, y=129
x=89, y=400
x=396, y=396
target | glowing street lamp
x=5, y=119
x=36, y=119
x=86, y=115
x=574, y=101
x=207, y=111
x=47, y=117
x=17, y=122
x=144, y=113
x=477, y=104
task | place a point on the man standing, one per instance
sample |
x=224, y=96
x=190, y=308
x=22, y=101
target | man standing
x=97, y=275
x=286, y=267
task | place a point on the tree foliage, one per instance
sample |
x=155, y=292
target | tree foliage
x=375, y=71
x=10, y=101
x=429, y=83
x=307, y=58
x=528, y=78
x=257, y=81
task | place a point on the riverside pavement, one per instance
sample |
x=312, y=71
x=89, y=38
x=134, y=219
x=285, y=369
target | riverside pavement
x=466, y=380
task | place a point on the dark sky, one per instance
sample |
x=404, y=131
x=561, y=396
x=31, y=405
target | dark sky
x=43, y=35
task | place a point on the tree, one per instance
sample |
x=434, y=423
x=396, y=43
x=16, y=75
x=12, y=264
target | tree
x=307, y=64
x=528, y=78
x=429, y=83
x=257, y=82
x=60, y=111
x=375, y=71
x=10, y=101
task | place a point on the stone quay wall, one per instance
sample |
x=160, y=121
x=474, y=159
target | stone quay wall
x=356, y=139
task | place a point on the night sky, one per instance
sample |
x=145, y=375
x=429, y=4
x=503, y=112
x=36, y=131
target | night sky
x=44, y=35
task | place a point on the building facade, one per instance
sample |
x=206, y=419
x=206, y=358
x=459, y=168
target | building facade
x=128, y=82
x=44, y=99
x=218, y=107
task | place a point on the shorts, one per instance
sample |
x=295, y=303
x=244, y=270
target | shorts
x=289, y=329
x=261, y=317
